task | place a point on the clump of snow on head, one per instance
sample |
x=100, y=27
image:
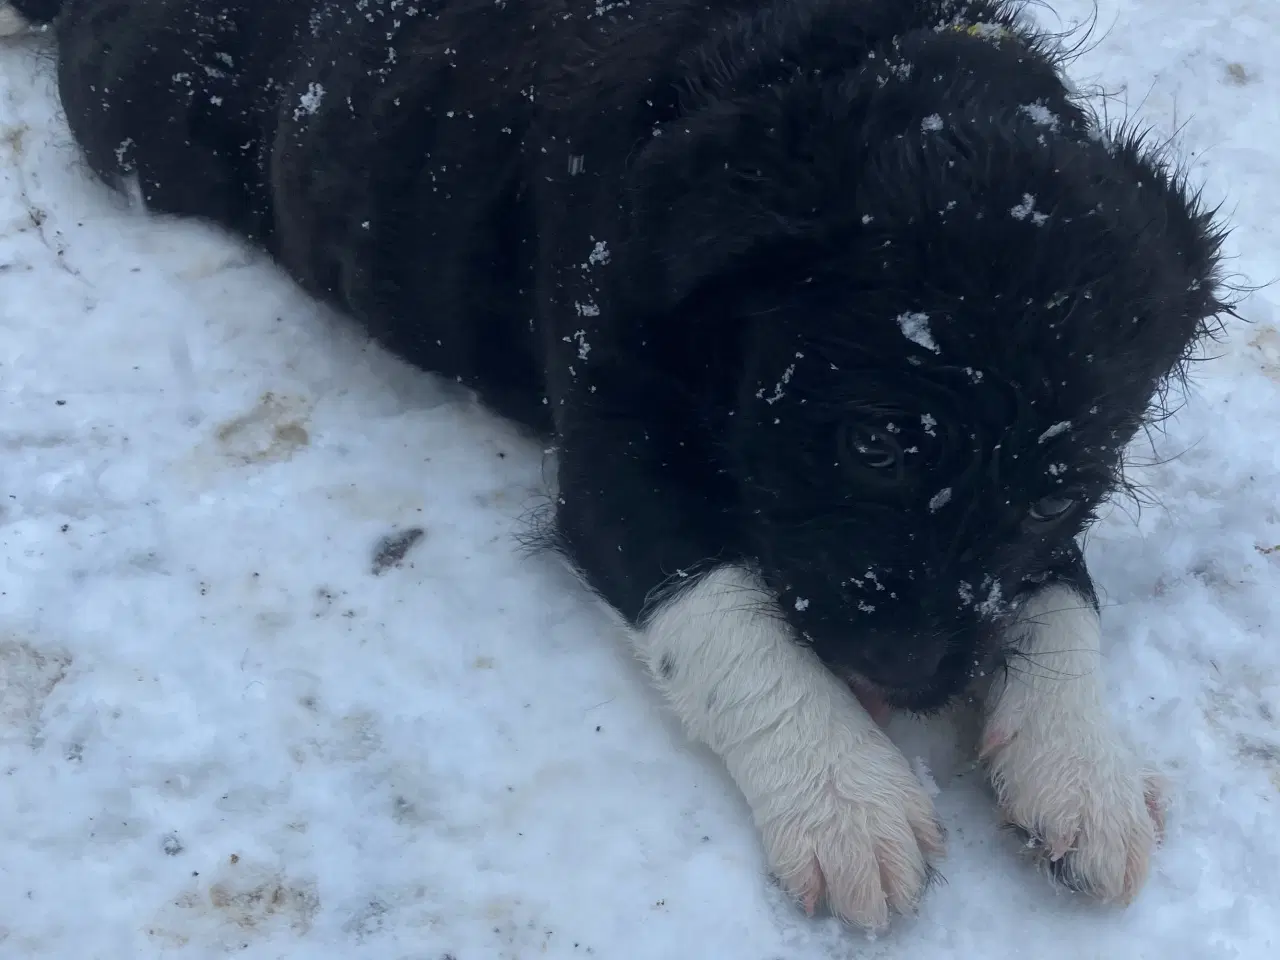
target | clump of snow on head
x=902, y=69
x=599, y=255
x=1027, y=208
x=994, y=604
x=580, y=337
x=988, y=31
x=982, y=29
x=780, y=387
x=915, y=327
x=939, y=499
x=1060, y=427
x=1040, y=114
x=310, y=101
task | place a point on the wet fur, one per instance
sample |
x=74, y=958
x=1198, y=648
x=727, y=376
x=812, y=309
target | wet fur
x=819, y=302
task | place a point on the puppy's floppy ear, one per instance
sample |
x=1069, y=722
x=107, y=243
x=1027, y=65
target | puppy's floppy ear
x=719, y=191
x=1193, y=231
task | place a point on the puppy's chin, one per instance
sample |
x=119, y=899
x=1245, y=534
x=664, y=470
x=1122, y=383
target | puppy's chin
x=918, y=663
x=879, y=700
x=961, y=671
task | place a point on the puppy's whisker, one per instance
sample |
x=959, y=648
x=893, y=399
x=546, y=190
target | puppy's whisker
x=1033, y=656
x=1044, y=673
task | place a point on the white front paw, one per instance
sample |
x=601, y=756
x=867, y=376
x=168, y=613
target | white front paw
x=1061, y=772
x=854, y=828
x=1085, y=803
x=843, y=818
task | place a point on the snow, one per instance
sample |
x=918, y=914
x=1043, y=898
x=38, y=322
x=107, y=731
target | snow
x=1041, y=114
x=939, y=499
x=310, y=101
x=1027, y=208
x=1061, y=427
x=231, y=721
x=915, y=327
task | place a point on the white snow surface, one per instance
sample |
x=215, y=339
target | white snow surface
x=222, y=733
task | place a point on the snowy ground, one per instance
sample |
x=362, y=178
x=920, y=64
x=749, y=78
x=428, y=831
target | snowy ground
x=231, y=722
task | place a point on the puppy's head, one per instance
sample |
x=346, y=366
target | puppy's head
x=955, y=310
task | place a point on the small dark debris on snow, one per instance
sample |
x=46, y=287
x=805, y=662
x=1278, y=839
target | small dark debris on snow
x=171, y=845
x=391, y=549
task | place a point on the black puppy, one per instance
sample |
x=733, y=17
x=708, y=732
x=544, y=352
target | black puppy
x=841, y=314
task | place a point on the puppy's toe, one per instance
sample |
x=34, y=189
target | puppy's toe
x=864, y=845
x=1094, y=817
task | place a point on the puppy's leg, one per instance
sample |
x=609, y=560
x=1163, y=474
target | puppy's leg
x=1060, y=770
x=841, y=813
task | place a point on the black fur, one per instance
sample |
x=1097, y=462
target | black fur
x=853, y=293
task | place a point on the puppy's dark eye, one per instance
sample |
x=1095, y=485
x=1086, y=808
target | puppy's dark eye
x=877, y=456
x=1050, y=508
x=867, y=449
